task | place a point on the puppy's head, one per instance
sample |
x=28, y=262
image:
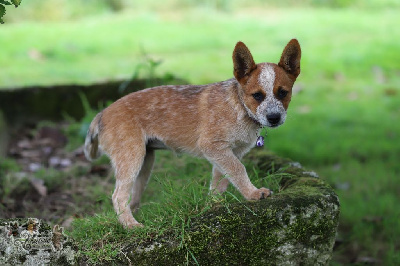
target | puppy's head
x=266, y=88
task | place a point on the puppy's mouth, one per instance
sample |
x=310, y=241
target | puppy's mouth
x=265, y=123
x=273, y=125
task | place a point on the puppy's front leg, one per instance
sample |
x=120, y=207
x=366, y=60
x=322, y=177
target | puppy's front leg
x=236, y=173
x=218, y=183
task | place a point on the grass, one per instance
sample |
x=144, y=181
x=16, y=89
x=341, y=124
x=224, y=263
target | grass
x=91, y=49
x=176, y=194
x=343, y=122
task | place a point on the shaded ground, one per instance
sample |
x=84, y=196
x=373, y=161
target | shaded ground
x=51, y=183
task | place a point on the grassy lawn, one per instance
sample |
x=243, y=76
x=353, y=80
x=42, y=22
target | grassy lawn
x=343, y=122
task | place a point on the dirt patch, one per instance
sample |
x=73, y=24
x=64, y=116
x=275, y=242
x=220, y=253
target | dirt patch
x=50, y=182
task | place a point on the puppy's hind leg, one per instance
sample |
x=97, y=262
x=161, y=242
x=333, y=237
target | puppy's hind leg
x=127, y=161
x=142, y=179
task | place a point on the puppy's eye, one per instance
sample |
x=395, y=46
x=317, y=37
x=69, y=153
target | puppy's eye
x=258, y=96
x=281, y=93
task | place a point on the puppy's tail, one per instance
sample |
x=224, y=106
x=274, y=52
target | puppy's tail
x=92, y=149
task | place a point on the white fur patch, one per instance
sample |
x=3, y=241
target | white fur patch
x=267, y=78
x=270, y=105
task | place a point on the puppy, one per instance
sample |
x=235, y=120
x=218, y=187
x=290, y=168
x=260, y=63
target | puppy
x=219, y=122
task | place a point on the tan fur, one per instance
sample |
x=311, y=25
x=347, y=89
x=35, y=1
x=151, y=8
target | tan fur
x=213, y=121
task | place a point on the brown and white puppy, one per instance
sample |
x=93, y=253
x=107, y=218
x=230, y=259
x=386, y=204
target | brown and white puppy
x=219, y=122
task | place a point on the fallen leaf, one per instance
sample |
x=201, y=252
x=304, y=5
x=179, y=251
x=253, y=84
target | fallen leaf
x=373, y=219
x=339, y=76
x=368, y=260
x=24, y=144
x=34, y=167
x=99, y=169
x=64, y=163
x=336, y=167
x=379, y=75
x=390, y=92
x=297, y=88
x=352, y=96
x=35, y=54
x=38, y=184
x=343, y=186
x=51, y=136
x=31, y=154
x=57, y=162
x=67, y=223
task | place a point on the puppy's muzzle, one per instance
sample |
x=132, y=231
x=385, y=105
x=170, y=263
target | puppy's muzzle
x=274, y=119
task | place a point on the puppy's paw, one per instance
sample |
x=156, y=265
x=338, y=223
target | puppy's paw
x=129, y=222
x=132, y=225
x=261, y=193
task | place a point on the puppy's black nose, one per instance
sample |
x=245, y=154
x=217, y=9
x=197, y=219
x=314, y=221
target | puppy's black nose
x=274, y=118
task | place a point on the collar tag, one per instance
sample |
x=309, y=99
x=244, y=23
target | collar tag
x=260, y=141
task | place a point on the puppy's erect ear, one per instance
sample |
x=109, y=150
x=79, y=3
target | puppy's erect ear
x=290, y=59
x=243, y=62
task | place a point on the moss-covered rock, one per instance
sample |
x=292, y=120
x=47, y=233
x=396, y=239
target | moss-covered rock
x=295, y=226
x=33, y=242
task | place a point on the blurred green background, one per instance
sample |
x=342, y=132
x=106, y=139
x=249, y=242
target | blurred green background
x=343, y=121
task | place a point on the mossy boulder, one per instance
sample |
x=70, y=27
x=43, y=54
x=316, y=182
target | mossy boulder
x=33, y=242
x=295, y=226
